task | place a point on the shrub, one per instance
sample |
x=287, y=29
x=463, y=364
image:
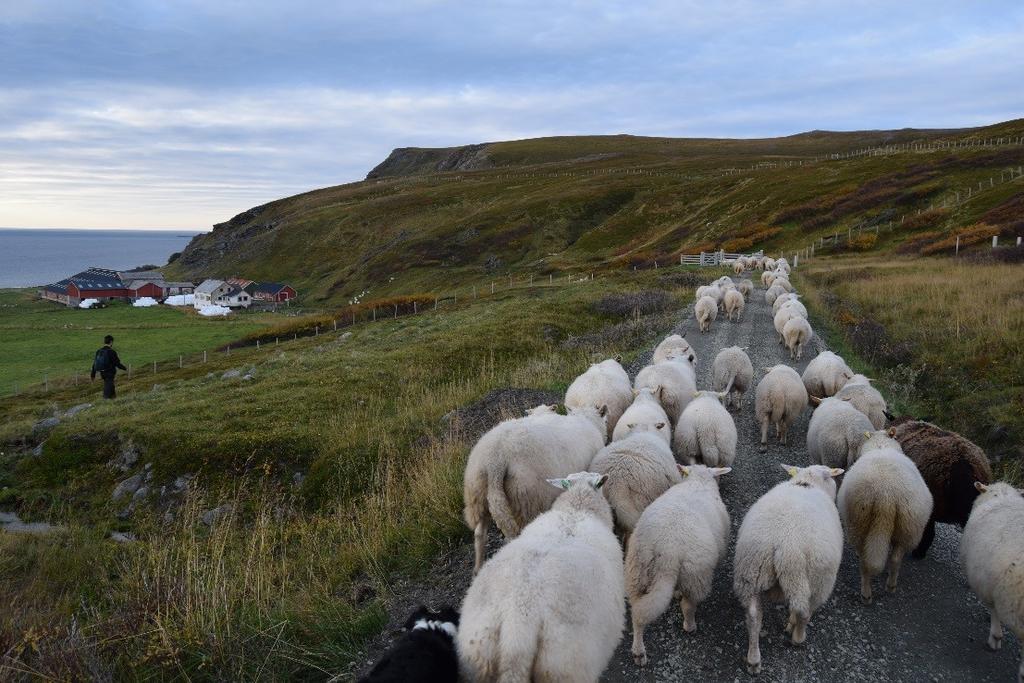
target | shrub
x=642, y=303
x=737, y=244
x=975, y=234
x=914, y=243
x=765, y=235
x=925, y=219
x=862, y=242
x=698, y=248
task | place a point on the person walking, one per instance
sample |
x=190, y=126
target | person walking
x=107, y=363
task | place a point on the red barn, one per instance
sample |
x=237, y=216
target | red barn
x=104, y=285
x=271, y=291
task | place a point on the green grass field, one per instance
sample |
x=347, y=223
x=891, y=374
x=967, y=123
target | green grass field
x=40, y=338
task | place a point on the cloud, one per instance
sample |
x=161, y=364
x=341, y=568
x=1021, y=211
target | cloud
x=183, y=114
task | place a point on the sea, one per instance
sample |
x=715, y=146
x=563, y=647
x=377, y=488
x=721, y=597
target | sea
x=38, y=256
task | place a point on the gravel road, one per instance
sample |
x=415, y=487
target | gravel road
x=931, y=629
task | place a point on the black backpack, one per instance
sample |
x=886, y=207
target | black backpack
x=104, y=361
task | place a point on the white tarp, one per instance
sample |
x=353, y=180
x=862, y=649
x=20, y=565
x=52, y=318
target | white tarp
x=214, y=310
x=88, y=303
x=145, y=302
x=181, y=300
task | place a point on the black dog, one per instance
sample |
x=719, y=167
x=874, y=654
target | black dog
x=424, y=654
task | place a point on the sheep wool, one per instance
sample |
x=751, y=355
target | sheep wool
x=640, y=468
x=645, y=414
x=734, y=304
x=706, y=433
x=864, y=398
x=746, y=287
x=783, y=298
x=507, y=468
x=779, y=399
x=788, y=549
x=772, y=294
x=675, y=346
x=672, y=381
x=826, y=374
x=603, y=384
x=884, y=504
x=732, y=373
x=783, y=316
x=797, y=333
x=990, y=552
x=950, y=464
x=836, y=433
x=550, y=605
x=674, y=550
x=705, y=311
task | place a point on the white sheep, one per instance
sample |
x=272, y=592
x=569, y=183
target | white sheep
x=772, y=294
x=676, y=346
x=732, y=373
x=783, y=298
x=990, y=551
x=797, y=333
x=866, y=399
x=549, y=606
x=746, y=287
x=673, y=381
x=644, y=414
x=779, y=399
x=724, y=280
x=788, y=550
x=826, y=374
x=603, y=384
x=674, y=550
x=734, y=304
x=767, y=277
x=836, y=433
x=769, y=263
x=739, y=266
x=795, y=304
x=885, y=505
x=706, y=433
x=705, y=311
x=508, y=465
x=708, y=290
x=783, y=316
x=782, y=280
x=640, y=468
x=782, y=265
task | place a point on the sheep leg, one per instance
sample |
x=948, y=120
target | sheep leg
x=764, y=432
x=799, y=619
x=480, y=543
x=783, y=432
x=865, y=584
x=754, y=635
x=895, y=561
x=689, y=610
x=926, y=541
x=995, y=632
x=645, y=609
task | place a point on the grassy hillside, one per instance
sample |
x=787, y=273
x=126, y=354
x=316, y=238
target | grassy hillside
x=613, y=202
x=337, y=463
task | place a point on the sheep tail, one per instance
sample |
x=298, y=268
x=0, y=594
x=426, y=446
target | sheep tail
x=499, y=506
x=519, y=643
x=797, y=589
x=875, y=552
x=732, y=380
x=709, y=454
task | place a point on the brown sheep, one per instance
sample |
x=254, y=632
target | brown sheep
x=949, y=464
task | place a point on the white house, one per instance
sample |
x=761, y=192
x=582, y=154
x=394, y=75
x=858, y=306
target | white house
x=221, y=293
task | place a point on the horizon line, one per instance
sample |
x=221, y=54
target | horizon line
x=52, y=227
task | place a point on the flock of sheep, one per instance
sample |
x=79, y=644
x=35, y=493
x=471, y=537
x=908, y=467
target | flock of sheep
x=644, y=459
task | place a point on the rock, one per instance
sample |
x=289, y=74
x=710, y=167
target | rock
x=38, y=450
x=298, y=478
x=182, y=482
x=122, y=537
x=345, y=337
x=211, y=517
x=231, y=374
x=168, y=516
x=45, y=425
x=71, y=412
x=126, y=457
x=12, y=523
x=140, y=493
x=247, y=376
x=127, y=487
x=159, y=387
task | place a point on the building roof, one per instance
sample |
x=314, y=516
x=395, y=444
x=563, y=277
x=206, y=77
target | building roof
x=92, y=279
x=178, y=284
x=127, y=275
x=208, y=286
x=234, y=290
x=240, y=281
x=269, y=287
x=137, y=284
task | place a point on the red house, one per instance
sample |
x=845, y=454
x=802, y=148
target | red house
x=103, y=284
x=271, y=291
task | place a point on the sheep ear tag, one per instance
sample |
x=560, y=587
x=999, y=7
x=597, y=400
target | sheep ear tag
x=598, y=482
x=790, y=470
x=559, y=483
x=867, y=435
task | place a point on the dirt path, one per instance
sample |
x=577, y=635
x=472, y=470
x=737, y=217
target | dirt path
x=931, y=629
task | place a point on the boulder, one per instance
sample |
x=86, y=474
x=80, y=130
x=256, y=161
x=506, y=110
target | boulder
x=71, y=412
x=128, y=487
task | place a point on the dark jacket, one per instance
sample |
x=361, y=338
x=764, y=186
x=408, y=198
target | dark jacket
x=108, y=365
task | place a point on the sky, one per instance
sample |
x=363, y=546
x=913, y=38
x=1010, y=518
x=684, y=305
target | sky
x=183, y=113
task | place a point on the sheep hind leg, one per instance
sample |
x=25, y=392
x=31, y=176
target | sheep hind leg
x=480, y=543
x=895, y=562
x=865, y=584
x=689, y=609
x=995, y=632
x=754, y=635
x=646, y=608
x=764, y=432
